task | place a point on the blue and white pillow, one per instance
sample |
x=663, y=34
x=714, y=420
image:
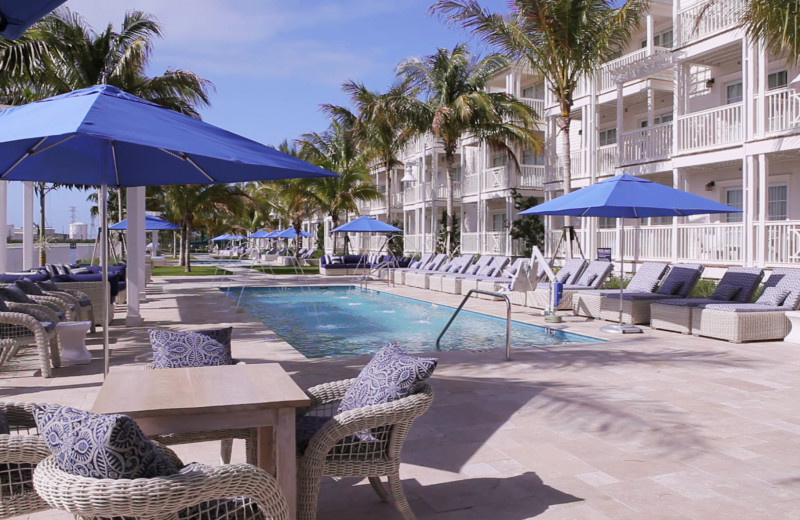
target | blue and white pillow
x=199, y=348
x=100, y=445
x=29, y=287
x=390, y=375
x=15, y=294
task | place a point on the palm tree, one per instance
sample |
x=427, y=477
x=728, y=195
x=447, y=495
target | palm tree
x=62, y=53
x=337, y=150
x=457, y=104
x=562, y=40
x=776, y=22
x=190, y=200
x=381, y=125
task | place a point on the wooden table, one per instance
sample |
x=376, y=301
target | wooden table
x=181, y=400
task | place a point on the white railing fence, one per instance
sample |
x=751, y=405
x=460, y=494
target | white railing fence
x=704, y=19
x=532, y=176
x=646, y=144
x=782, y=109
x=605, y=80
x=782, y=242
x=709, y=128
x=495, y=178
x=470, y=243
x=606, y=159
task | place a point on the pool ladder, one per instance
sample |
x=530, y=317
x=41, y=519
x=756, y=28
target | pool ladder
x=464, y=301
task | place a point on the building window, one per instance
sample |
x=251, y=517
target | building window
x=777, y=197
x=659, y=119
x=662, y=39
x=535, y=91
x=498, y=221
x=777, y=80
x=733, y=197
x=608, y=137
x=499, y=159
x=734, y=92
x=661, y=221
x=532, y=158
x=606, y=222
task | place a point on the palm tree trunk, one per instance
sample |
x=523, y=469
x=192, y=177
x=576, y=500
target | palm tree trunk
x=388, y=192
x=187, y=248
x=565, y=164
x=449, y=160
x=182, y=253
x=42, y=250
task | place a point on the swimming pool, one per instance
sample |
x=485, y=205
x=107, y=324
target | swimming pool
x=347, y=320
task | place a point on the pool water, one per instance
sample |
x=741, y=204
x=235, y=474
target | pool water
x=345, y=320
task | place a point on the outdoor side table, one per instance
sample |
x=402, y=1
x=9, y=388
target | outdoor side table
x=794, y=333
x=182, y=400
x=72, y=338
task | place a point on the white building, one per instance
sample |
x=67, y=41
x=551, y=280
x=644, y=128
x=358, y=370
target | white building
x=698, y=106
x=79, y=230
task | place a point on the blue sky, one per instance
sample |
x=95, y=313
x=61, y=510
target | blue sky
x=273, y=62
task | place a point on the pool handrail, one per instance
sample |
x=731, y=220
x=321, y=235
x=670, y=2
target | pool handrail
x=464, y=301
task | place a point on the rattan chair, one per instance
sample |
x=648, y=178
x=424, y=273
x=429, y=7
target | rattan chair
x=20, y=451
x=190, y=495
x=23, y=327
x=74, y=297
x=336, y=449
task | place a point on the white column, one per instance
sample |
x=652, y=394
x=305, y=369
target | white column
x=620, y=116
x=760, y=56
x=748, y=236
x=136, y=262
x=3, y=226
x=422, y=172
x=154, y=235
x=650, y=34
x=27, y=225
x=763, y=181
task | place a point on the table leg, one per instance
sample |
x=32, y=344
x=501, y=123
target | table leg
x=266, y=458
x=285, y=449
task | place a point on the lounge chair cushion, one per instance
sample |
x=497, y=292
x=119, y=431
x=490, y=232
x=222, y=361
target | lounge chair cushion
x=14, y=294
x=773, y=296
x=198, y=348
x=29, y=287
x=743, y=307
x=670, y=287
x=646, y=277
x=100, y=445
x=562, y=275
x=47, y=285
x=389, y=376
x=725, y=292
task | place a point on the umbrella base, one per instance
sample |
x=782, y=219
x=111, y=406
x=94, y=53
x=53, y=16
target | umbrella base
x=622, y=328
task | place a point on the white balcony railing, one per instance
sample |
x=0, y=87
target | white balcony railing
x=605, y=80
x=470, y=243
x=495, y=178
x=704, y=19
x=532, y=176
x=470, y=184
x=782, y=242
x=535, y=104
x=496, y=242
x=410, y=195
x=710, y=128
x=715, y=243
x=606, y=159
x=782, y=108
x=646, y=144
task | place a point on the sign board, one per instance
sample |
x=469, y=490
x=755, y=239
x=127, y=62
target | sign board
x=73, y=245
x=604, y=253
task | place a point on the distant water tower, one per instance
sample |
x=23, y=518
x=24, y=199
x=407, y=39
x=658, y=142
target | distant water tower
x=79, y=230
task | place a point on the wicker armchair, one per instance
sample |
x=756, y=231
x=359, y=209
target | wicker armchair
x=94, y=290
x=226, y=437
x=22, y=327
x=337, y=450
x=194, y=495
x=20, y=451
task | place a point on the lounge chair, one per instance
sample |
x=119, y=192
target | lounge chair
x=760, y=321
x=421, y=279
x=20, y=451
x=29, y=325
x=591, y=278
x=737, y=285
x=434, y=264
x=398, y=275
x=493, y=270
x=645, y=280
x=676, y=284
x=506, y=278
x=451, y=282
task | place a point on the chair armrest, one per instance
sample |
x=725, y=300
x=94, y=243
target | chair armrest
x=55, y=303
x=36, y=311
x=19, y=449
x=326, y=393
x=19, y=414
x=159, y=496
x=63, y=296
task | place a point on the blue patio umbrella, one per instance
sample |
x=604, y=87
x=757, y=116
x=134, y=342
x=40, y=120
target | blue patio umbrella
x=16, y=16
x=274, y=233
x=627, y=196
x=366, y=224
x=104, y=136
x=292, y=233
x=261, y=233
x=151, y=222
x=224, y=236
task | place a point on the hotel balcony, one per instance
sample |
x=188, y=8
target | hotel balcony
x=645, y=145
x=782, y=110
x=705, y=19
x=536, y=104
x=634, y=65
x=712, y=128
x=427, y=192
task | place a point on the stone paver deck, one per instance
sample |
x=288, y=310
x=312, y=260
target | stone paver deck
x=652, y=426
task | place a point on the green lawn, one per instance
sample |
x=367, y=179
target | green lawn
x=287, y=269
x=179, y=270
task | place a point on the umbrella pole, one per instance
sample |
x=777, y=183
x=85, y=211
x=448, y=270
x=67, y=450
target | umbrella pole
x=104, y=263
x=622, y=328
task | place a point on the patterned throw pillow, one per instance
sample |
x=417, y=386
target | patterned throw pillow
x=198, y=348
x=670, y=287
x=390, y=375
x=773, y=296
x=725, y=292
x=29, y=287
x=562, y=275
x=99, y=445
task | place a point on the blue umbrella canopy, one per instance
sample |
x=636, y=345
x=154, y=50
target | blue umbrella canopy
x=274, y=233
x=151, y=222
x=224, y=236
x=366, y=224
x=102, y=135
x=627, y=196
x=261, y=233
x=16, y=16
x=291, y=233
